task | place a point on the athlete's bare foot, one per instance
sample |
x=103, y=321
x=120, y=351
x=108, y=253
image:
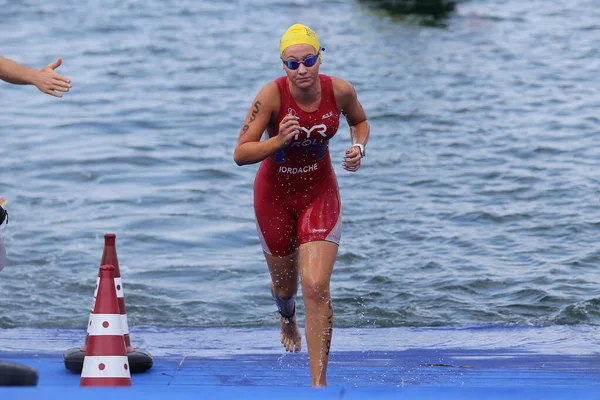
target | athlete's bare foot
x=291, y=338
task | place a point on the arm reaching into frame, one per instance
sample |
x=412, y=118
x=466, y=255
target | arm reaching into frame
x=47, y=80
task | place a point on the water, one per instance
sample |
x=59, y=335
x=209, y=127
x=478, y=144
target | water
x=477, y=204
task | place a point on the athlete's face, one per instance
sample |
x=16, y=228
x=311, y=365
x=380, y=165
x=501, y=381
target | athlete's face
x=304, y=76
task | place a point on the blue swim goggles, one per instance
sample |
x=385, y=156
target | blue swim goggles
x=308, y=61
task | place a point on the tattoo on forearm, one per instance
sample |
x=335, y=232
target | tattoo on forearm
x=252, y=117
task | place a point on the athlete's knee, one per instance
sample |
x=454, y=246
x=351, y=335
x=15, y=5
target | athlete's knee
x=315, y=290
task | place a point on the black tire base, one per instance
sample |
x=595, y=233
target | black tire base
x=139, y=360
x=14, y=374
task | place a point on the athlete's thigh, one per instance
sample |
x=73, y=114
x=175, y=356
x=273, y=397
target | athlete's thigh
x=276, y=226
x=322, y=217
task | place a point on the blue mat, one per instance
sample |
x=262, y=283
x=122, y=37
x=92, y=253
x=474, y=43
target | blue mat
x=481, y=362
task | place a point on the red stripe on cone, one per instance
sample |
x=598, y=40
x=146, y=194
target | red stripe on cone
x=105, y=382
x=105, y=362
x=104, y=346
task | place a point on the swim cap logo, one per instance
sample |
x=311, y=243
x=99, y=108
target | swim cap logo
x=310, y=32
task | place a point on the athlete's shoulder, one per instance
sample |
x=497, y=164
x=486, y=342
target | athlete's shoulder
x=270, y=86
x=282, y=80
x=344, y=91
x=341, y=86
x=269, y=92
x=268, y=99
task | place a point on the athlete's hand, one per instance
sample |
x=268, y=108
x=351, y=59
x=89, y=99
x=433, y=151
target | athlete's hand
x=49, y=81
x=288, y=128
x=352, y=159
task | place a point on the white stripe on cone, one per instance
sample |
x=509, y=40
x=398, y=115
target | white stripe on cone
x=105, y=325
x=105, y=367
x=93, y=303
x=124, y=324
x=120, y=294
x=96, y=290
x=119, y=287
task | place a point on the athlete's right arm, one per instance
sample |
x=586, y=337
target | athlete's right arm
x=250, y=149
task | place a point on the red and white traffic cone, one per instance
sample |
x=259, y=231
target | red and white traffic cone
x=139, y=360
x=109, y=257
x=105, y=362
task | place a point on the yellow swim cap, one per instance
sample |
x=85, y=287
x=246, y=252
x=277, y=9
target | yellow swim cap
x=299, y=34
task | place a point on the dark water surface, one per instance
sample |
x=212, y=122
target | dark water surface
x=477, y=204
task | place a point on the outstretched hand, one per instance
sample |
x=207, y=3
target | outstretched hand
x=50, y=82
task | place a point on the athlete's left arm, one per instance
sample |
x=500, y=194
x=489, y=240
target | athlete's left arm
x=347, y=101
